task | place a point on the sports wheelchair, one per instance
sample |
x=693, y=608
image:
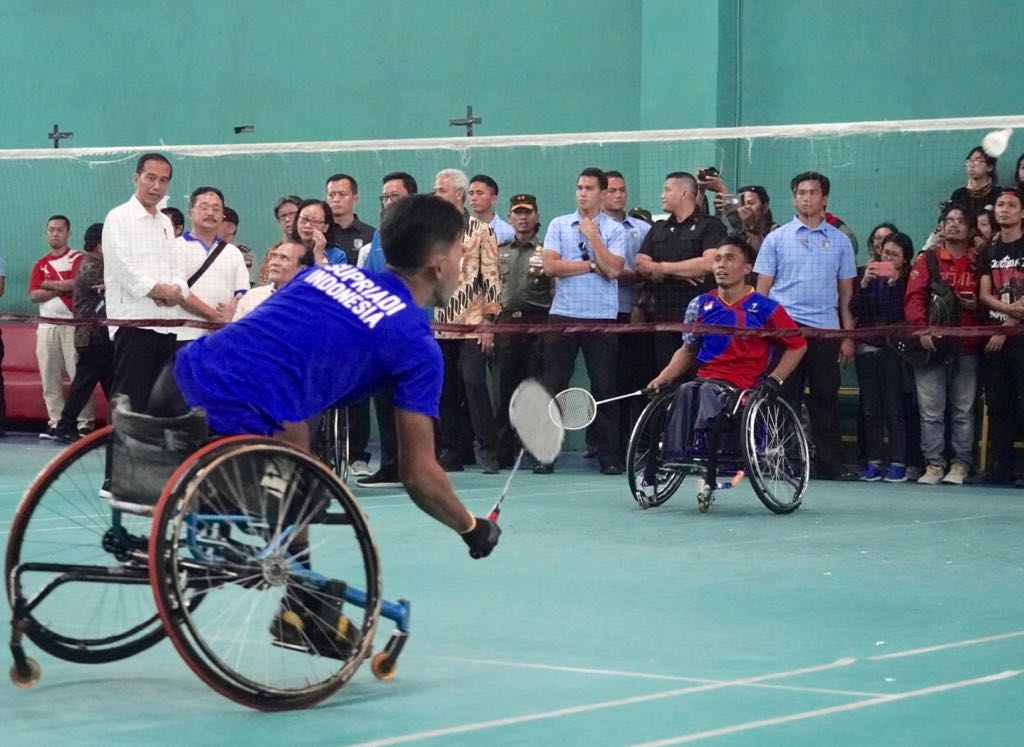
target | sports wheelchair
x=203, y=541
x=757, y=437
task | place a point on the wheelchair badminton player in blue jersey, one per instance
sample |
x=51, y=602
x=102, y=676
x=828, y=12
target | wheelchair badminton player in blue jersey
x=335, y=335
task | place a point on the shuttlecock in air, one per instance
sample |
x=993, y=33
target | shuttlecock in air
x=995, y=142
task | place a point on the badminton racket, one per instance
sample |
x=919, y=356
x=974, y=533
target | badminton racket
x=576, y=408
x=539, y=432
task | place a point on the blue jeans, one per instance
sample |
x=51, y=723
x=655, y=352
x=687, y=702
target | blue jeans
x=956, y=382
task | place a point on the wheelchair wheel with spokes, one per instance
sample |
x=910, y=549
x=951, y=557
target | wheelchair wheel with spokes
x=261, y=531
x=76, y=566
x=776, y=451
x=333, y=441
x=650, y=482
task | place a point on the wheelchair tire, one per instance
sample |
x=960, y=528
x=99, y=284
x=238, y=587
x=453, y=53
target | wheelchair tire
x=223, y=528
x=64, y=523
x=644, y=445
x=333, y=446
x=776, y=451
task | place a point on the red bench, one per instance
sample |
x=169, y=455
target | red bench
x=23, y=389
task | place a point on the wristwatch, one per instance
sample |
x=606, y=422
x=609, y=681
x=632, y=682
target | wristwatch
x=593, y=266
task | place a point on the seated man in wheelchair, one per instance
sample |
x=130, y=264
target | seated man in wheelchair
x=726, y=364
x=336, y=335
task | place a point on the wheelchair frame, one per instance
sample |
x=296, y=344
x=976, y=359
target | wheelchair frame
x=240, y=521
x=772, y=453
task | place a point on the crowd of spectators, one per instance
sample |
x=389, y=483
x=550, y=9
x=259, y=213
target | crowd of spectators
x=919, y=395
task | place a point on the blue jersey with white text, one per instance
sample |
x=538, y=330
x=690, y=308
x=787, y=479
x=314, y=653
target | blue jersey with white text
x=333, y=334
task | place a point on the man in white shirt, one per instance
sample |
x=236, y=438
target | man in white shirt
x=286, y=259
x=215, y=290
x=145, y=278
x=50, y=285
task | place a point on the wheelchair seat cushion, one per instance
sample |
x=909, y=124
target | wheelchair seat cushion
x=146, y=450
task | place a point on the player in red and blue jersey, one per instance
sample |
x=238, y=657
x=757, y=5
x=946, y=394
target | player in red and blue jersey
x=742, y=362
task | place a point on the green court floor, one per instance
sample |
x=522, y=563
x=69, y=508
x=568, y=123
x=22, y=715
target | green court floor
x=874, y=615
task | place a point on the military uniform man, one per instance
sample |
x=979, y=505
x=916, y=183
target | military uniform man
x=525, y=299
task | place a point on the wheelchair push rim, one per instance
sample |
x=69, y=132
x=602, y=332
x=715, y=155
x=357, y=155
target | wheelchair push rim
x=226, y=528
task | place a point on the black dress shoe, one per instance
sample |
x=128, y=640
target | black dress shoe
x=543, y=469
x=611, y=469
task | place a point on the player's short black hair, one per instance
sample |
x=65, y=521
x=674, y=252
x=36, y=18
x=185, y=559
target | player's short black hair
x=602, y=178
x=416, y=226
x=145, y=158
x=339, y=177
x=198, y=191
x=407, y=181
x=60, y=217
x=484, y=179
x=230, y=215
x=811, y=176
x=176, y=216
x=740, y=242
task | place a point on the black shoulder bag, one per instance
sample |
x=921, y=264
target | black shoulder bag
x=210, y=259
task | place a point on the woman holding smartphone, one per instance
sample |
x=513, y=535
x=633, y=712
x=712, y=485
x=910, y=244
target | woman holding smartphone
x=878, y=302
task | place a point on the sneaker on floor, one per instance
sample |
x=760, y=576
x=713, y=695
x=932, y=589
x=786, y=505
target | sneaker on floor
x=871, y=473
x=50, y=434
x=383, y=478
x=67, y=435
x=932, y=475
x=955, y=476
x=360, y=468
x=84, y=429
x=896, y=473
x=331, y=634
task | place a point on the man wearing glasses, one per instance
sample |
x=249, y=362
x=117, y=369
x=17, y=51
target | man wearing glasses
x=225, y=279
x=585, y=250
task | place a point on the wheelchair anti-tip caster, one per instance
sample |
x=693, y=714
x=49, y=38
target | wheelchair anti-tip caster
x=382, y=667
x=28, y=676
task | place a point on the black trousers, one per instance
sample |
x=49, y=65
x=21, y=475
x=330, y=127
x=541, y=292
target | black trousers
x=139, y=357
x=95, y=366
x=3, y=402
x=516, y=357
x=1003, y=379
x=600, y=352
x=359, y=430
x=384, y=406
x=819, y=372
x=880, y=379
x=465, y=383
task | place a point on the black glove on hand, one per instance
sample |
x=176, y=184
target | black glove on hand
x=770, y=388
x=482, y=538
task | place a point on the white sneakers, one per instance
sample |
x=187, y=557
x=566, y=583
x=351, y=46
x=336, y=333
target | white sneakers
x=933, y=475
x=359, y=468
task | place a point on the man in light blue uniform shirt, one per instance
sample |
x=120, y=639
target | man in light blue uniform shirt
x=807, y=265
x=585, y=251
x=629, y=375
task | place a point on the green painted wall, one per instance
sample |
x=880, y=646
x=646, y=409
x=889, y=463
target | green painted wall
x=122, y=73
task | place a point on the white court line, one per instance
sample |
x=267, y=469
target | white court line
x=945, y=646
x=647, y=675
x=573, y=710
x=882, y=700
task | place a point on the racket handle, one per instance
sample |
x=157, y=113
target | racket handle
x=493, y=515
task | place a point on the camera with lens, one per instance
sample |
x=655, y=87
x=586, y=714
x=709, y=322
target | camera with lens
x=704, y=173
x=731, y=203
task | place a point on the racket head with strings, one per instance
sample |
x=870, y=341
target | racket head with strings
x=530, y=413
x=575, y=408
